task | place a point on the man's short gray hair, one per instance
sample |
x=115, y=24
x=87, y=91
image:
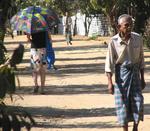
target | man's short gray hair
x=124, y=16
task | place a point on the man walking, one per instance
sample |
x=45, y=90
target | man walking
x=68, y=24
x=125, y=58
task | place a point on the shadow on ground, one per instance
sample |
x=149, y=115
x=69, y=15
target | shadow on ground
x=54, y=117
x=69, y=69
x=67, y=89
x=72, y=89
x=25, y=60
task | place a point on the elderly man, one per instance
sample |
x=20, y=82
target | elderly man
x=125, y=58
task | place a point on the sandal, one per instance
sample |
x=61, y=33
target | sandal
x=42, y=91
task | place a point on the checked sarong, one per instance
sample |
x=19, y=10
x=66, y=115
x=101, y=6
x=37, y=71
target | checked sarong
x=128, y=93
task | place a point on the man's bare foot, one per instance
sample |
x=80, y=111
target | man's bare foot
x=35, y=90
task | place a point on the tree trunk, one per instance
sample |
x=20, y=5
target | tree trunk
x=75, y=26
x=85, y=26
x=140, y=16
x=89, y=23
x=2, y=34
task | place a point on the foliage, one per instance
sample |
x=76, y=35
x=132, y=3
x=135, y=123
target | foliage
x=63, y=6
x=87, y=9
x=11, y=119
x=2, y=53
x=7, y=9
x=142, y=13
x=21, y=4
x=137, y=8
x=60, y=6
x=94, y=37
x=147, y=41
x=109, y=9
x=7, y=81
x=17, y=56
x=146, y=35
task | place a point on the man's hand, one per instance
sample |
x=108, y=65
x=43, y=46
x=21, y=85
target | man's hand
x=143, y=84
x=110, y=83
x=111, y=88
x=142, y=79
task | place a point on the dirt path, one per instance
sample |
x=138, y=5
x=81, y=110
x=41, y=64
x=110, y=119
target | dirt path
x=76, y=96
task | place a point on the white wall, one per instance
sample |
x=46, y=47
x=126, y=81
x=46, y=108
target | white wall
x=99, y=25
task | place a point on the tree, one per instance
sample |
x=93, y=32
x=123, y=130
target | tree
x=11, y=118
x=109, y=9
x=137, y=8
x=6, y=11
x=63, y=6
x=142, y=13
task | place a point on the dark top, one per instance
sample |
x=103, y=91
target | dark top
x=38, y=40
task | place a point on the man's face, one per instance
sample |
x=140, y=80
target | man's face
x=125, y=26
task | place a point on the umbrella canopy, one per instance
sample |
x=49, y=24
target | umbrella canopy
x=34, y=19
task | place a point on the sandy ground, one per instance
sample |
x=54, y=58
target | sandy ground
x=76, y=96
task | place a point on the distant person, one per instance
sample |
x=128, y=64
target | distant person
x=125, y=58
x=50, y=54
x=68, y=33
x=38, y=59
